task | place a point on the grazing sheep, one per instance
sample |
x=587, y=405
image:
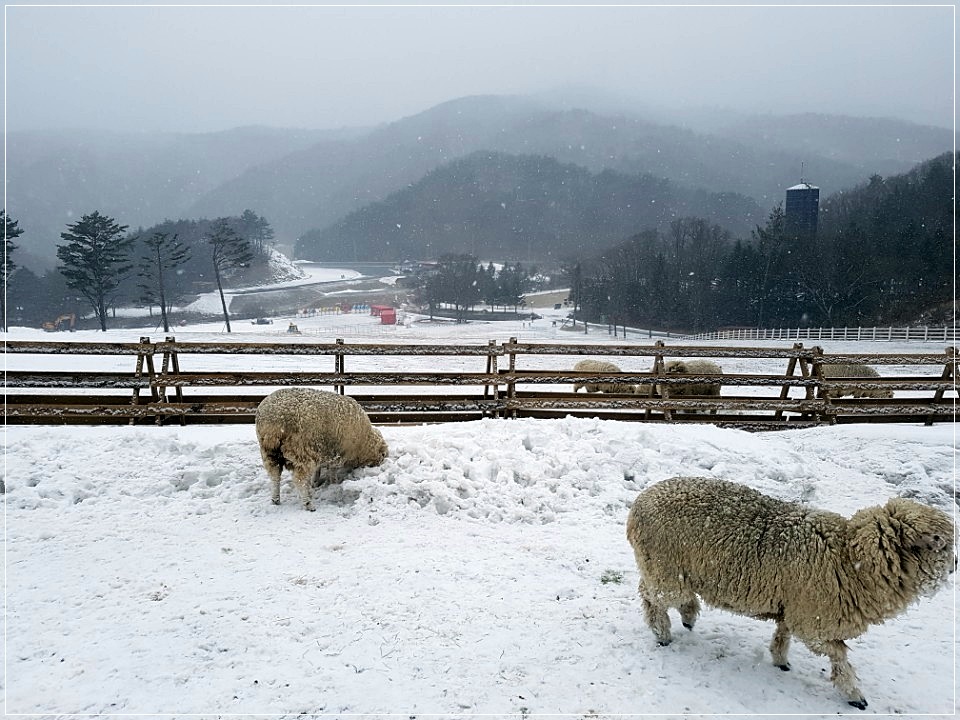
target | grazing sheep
x=600, y=366
x=822, y=578
x=692, y=367
x=852, y=370
x=643, y=389
x=310, y=431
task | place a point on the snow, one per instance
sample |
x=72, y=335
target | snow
x=302, y=273
x=483, y=568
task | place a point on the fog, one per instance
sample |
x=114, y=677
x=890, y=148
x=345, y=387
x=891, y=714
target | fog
x=201, y=69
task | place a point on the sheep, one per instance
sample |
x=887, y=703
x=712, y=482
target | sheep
x=600, y=366
x=822, y=577
x=643, y=389
x=692, y=367
x=310, y=431
x=852, y=370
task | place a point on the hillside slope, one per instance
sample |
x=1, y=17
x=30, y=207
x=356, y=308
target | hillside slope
x=517, y=207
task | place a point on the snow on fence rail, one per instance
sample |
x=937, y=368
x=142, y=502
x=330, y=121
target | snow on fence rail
x=926, y=333
x=417, y=383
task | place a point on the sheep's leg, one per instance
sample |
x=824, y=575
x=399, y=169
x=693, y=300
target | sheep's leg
x=780, y=645
x=842, y=673
x=656, y=616
x=303, y=481
x=274, y=466
x=689, y=611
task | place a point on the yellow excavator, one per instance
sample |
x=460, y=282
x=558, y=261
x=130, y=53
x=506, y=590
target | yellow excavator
x=64, y=322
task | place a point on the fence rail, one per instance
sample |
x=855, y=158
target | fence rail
x=944, y=334
x=384, y=378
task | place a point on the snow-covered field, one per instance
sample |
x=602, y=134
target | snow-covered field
x=482, y=569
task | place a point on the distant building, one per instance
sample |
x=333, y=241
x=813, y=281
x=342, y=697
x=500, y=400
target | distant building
x=803, y=205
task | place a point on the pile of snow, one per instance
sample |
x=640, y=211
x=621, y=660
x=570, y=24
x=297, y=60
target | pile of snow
x=483, y=568
x=282, y=268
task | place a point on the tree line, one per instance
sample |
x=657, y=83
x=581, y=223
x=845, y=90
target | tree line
x=102, y=265
x=462, y=282
x=883, y=253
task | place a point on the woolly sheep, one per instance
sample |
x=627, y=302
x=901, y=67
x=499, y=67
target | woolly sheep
x=852, y=370
x=310, y=431
x=823, y=578
x=600, y=366
x=643, y=389
x=692, y=367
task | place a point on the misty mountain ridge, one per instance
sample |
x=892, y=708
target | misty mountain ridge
x=518, y=208
x=314, y=188
x=304, y=180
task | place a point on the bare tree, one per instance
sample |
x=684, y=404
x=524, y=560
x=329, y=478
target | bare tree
x=165, y=255
x=228, y=251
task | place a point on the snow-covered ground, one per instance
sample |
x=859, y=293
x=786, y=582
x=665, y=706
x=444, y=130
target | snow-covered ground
x=483, y=568
x=303, y=274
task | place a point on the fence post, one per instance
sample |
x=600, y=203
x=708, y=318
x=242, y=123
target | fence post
x=816, y=371
x=491, y=390
x=512, y=367
x=144, y=356
x=664, y=391
x=338, y=365
x=949, y=373
x=169, y=359
x=791, y=368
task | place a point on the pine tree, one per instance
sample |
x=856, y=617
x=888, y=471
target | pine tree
x=257, y=230
x=95, y=260
x=11, y=230
x=228, y=251
x=165, y=254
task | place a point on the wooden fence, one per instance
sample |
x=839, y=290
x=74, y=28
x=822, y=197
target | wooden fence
x=417, y=383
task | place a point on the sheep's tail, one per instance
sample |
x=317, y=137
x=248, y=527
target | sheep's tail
x=271, y=447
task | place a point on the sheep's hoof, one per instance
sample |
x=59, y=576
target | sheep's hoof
x=784, y=667
x=688, y=626
x=275, y=501
x=309, y=507
x=860, y=704
x=663, y=643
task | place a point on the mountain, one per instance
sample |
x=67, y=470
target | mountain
x=315, y=187
x=518, y=207
x=883, y=146
x=54, y=177
x=302, y=180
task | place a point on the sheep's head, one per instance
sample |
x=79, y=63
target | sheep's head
x=912, y=543
x=380, y=448
x=675, y=366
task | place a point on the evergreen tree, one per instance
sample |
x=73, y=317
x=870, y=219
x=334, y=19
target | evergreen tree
x=165, y=255
x=228, y=251
x=458, y=283
x=95, y=259
x=257, y=230
x=770, y=244
x=11, y=230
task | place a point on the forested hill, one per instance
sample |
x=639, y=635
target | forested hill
x=882, y=255
x=518, y=207
x=318, y=186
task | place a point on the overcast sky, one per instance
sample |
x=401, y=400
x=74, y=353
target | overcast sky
x=201, y=69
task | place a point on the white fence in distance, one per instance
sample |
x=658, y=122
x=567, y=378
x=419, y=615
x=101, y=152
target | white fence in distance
x=926, y=333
